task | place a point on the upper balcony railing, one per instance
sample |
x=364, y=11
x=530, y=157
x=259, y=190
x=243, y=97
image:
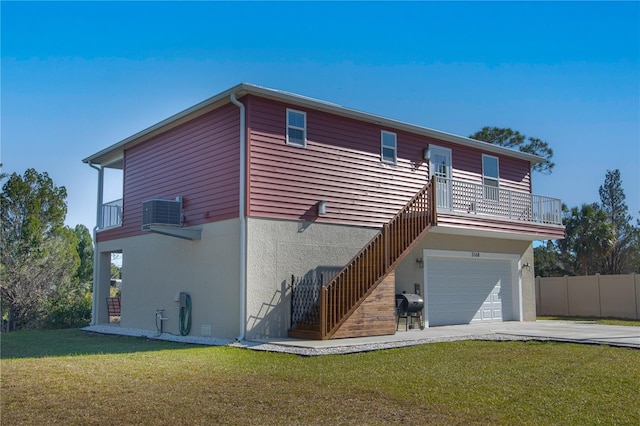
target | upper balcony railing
x=111, y=214
x=472, y=198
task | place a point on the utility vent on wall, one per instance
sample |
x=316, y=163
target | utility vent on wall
x=162, y=212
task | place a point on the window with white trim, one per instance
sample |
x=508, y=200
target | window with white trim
x=389, y=149
x=296, y=128
x=490, y=177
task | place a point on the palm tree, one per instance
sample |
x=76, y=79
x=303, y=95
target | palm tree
x=590, y=237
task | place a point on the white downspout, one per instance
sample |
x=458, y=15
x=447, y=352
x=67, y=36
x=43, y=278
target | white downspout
x=243, y=219
x=96, y=256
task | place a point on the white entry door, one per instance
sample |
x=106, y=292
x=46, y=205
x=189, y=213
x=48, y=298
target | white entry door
x=440, y=167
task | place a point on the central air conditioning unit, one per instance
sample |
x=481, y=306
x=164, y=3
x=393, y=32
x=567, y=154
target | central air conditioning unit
x=162, y=212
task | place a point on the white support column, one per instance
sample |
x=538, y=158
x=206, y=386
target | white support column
x=102, y=287
x=96, y=253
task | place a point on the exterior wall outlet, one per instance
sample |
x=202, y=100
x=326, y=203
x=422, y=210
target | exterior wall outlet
x=205, y=330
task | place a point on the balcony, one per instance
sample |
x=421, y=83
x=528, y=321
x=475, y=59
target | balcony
x=111, y=215
x=475, y=199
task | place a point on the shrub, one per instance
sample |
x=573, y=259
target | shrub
x=71, y=308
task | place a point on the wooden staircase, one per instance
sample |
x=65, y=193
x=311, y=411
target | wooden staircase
x=343, y=295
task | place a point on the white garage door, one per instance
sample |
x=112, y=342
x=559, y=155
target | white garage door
x=460, y=291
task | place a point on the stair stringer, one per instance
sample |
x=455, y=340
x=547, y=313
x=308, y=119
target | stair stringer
x=355, y=322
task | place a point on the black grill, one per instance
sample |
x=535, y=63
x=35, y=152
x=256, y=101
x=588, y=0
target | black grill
x=409, y=306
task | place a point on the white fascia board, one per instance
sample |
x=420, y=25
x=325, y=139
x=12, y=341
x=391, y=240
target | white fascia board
x=487, y=233
x=115, y=151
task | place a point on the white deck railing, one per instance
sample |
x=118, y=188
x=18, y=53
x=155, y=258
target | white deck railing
x=472, y=198
x=111, y=214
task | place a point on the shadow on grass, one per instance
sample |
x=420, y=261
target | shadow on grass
x=69, y=342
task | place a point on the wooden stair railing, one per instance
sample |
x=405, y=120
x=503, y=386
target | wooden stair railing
x=353, y=284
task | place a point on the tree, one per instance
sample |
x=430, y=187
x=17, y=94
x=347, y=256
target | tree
x=36, y=251
x=545, y=259
x=599, y=237
x=635, y=253
x=509, y=138
x=69, y=302
x=622, y=255
x=85, y=251
x=590, y=237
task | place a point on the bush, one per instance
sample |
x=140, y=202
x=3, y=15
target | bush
x=71, y=308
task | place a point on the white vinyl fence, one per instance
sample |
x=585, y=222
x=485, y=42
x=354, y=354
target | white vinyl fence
x=616, y=296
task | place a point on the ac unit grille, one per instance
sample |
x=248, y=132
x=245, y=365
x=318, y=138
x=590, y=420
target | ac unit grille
x=161, y=212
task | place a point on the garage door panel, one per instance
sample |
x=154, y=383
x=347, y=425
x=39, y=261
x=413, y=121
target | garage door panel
x=460, y=291
x=490, y=314
x=450, y=318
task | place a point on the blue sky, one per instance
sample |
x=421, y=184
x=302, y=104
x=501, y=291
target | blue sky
x=78, y=77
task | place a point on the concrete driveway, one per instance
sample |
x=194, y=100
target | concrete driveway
x=559, y=331
x=578, y=332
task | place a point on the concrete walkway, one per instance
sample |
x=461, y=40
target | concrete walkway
x=559, y=331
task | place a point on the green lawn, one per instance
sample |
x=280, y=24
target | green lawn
x=605, y=321
x=67, y=377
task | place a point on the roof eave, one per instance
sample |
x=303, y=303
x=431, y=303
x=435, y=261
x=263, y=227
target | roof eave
x=114, y=152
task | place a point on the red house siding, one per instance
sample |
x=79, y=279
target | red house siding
x=198, y=161
x=466, y=165
x=341, y=164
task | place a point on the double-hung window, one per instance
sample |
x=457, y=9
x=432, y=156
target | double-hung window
x=490, y=177
x=389, y=148
x=296, y=128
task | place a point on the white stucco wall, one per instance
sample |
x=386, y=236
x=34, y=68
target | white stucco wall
x=156, y=267
x=277, y=249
